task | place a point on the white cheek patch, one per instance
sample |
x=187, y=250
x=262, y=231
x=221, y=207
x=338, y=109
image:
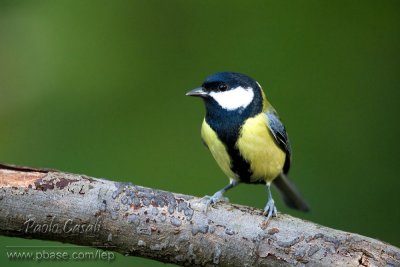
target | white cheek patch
x=236, y=98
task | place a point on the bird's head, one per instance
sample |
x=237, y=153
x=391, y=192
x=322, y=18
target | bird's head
x=230, y=92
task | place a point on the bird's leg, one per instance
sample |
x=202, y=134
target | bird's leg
x=270, y=209
x=220, y=194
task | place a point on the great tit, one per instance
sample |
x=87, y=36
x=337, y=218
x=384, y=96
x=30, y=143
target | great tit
x=246, y=137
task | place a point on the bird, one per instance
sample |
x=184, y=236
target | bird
x=246, y=137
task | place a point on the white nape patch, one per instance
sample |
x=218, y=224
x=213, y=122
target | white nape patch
x=236, y=98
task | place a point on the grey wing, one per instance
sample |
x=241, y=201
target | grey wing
x=291, y=195
x=279, y=132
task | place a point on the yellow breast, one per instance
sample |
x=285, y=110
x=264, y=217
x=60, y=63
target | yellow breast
x=217, y=149
x=258, y=147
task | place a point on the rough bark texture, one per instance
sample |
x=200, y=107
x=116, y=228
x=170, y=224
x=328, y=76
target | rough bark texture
x=169, y=227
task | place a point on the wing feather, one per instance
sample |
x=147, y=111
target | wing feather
x=278, y=130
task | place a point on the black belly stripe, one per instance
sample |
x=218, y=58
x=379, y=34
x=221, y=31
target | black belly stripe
x=239, y=165
x=227, y=125
x=228, y=133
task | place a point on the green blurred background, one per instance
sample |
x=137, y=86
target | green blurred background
x=97, y=87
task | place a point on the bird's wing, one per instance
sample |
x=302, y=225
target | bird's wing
x=291, y=195
x=279, y=132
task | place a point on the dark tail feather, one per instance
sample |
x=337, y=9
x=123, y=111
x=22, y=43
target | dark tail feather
x=290, y=194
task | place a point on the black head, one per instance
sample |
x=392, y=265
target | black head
x=230, y=92
x=224, y=81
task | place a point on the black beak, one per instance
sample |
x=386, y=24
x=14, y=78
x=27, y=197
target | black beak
x=197, y=92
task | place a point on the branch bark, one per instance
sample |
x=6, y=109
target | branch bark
x=138, y=221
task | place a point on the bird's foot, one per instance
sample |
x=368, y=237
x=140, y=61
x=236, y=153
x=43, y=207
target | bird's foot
x=270, y=209
x=217, y=197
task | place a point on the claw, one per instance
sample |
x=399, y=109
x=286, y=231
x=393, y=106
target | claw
x=270, y=210
x=219, y=196
x=214, y=199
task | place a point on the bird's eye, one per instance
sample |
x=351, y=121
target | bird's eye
x=222, y=87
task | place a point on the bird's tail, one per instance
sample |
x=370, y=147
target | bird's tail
x=291, y=196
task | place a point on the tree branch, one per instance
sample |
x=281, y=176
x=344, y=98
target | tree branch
x=138, y=221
